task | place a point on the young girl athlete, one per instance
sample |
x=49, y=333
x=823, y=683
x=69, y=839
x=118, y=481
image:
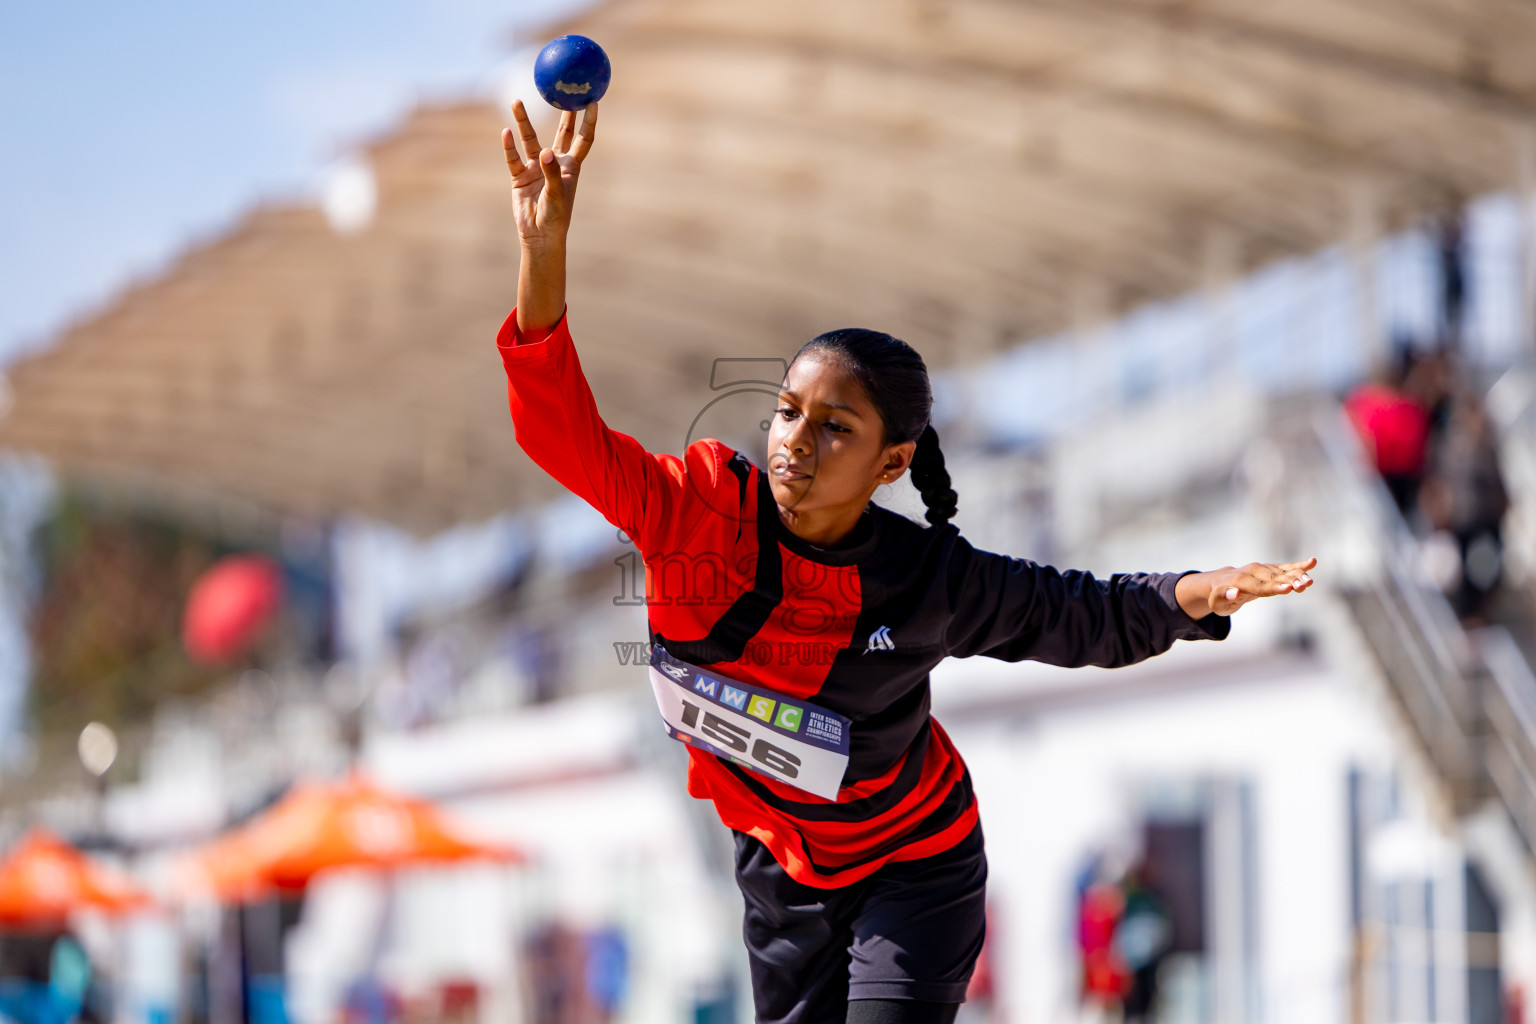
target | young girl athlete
x=793, y=625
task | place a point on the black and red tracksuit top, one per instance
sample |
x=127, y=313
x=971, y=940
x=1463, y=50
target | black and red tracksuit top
x=856, y=629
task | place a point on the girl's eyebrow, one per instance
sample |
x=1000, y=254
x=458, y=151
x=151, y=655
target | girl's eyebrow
x=830, y=405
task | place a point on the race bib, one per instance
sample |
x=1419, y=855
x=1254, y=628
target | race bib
x=791, y=740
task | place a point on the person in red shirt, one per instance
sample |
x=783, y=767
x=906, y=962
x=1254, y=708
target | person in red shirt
x=1395, y=428
x=794, y=623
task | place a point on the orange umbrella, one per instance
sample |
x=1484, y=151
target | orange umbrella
x=319, y=826
x=44, y=879
x=233, y=867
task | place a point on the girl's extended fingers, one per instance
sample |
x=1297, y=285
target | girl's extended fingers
x=530, y=138
x=565, y=133
x=1304, y=578
x=1284, y=575
x=554, y=188
x=509, y=146
x=586, y=133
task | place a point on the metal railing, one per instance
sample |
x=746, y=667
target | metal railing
x=1509, y=705
x=1328, y=500
x=1470, y=697
x=1511, y=403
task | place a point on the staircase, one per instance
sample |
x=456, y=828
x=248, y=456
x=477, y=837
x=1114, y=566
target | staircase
x=1469, y=697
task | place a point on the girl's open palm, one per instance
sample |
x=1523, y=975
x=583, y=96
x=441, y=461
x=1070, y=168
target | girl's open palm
x=1224, y=591
x=544, y=180
x=1233, y=588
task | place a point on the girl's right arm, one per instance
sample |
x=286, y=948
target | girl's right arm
x=554, y=415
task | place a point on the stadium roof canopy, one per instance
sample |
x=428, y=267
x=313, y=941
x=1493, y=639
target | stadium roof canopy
x=964, y=173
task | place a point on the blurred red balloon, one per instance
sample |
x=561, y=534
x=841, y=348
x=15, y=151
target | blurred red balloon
x=229, y=607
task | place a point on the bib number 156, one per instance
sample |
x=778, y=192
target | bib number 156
x=718, y=730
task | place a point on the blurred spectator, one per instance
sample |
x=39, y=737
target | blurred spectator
x=24, y=991
x=607, y=971
x=311, y=598
x=1450, y=239
x=1466, y=496
x=368, y=1001
x=1142, y=938
x=1105, y=980
x=458, y=1001
x=1124, y=932
x=554, y=979
x=714, y=1002
x=1428, y=379
x=981, y=995
x=1395, y=429
x=434, y=667
x=46, y=978
x=575, y=977
x=1437, y=451
x=534, y=648
x=69, y=978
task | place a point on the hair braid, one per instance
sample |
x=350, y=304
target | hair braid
x=931, y=478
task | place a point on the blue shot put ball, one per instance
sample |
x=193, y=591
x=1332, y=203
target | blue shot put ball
x=571, y=72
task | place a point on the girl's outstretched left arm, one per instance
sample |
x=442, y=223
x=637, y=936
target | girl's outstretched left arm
x=1014, y=609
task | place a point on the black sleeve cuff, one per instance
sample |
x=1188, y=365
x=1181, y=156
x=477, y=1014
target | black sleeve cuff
x=1215, y=627
x=1211, y=627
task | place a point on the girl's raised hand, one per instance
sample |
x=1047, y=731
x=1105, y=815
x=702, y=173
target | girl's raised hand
x=544, y=180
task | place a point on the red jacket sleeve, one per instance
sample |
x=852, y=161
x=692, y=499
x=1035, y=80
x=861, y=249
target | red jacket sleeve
x=648, y=496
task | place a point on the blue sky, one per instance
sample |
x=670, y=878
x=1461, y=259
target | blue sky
x=129, y=130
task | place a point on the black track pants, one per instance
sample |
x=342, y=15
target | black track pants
x=909, y=933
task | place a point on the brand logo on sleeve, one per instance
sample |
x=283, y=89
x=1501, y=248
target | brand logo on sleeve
x=880, y=640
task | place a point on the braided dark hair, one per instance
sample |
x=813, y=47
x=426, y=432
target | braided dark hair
x=895, y=378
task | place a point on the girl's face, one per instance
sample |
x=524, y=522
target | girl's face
x=826, y=445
